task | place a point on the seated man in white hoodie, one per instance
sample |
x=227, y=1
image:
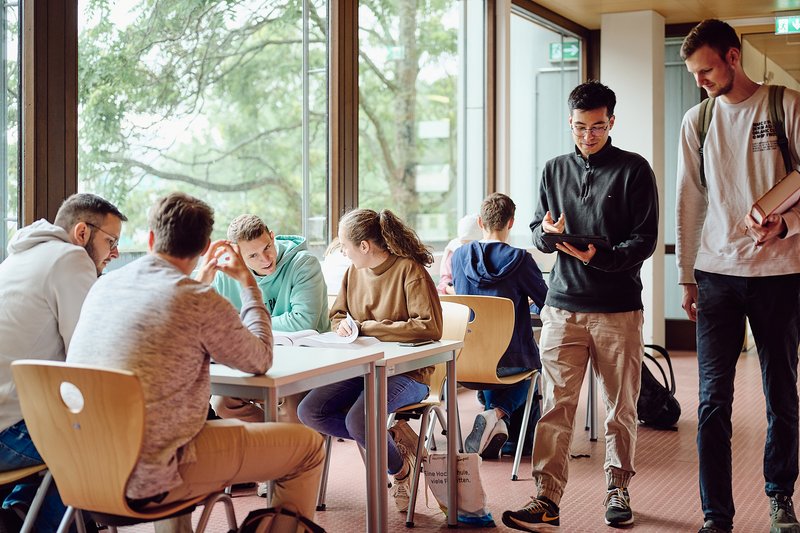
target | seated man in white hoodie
x=43, y=282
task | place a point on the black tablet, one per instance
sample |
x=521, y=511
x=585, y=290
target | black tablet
x=581, y=242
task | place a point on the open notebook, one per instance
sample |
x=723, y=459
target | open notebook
x=309, y=337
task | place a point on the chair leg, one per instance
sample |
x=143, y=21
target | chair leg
x=208, y=506
x=323, y=482
x=79, y=521
x=417, y=467
x=36, y=504
x=66, y=520
x=523, y=429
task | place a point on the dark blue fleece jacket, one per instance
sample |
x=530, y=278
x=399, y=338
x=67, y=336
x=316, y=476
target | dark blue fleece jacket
x=497, y=269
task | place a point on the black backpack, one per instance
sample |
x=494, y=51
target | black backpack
x=657, y=406
x=263, y=520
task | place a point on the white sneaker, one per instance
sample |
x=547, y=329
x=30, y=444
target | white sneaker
x=487, y=436
x=401, y=489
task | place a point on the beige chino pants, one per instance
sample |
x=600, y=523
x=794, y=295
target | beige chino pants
x=232, y=451
x=612, y=343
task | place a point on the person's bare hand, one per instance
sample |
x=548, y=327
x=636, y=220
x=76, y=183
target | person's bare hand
x=689, y=302
x=344, y=329
x=772, y=227
x=583, y=255
x=209, y=261
x=551, y=226
x=233, y=265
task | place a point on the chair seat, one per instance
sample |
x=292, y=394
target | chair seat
x=122, y=521
x=502, y=381
x=12, y=476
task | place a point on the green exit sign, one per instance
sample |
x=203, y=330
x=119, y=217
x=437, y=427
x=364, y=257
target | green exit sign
x=566, y=51
x=787, y=24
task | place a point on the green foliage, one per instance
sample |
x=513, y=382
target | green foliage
x=205, y=96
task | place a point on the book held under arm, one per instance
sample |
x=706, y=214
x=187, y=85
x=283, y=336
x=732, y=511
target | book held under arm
x=779, y=199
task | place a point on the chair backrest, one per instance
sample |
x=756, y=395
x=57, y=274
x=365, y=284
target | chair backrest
x=455, y=318
x=488, y=336
x=92, y=448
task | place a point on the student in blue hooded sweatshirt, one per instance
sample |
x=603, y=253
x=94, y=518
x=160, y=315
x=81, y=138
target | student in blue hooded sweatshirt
x=490, y=267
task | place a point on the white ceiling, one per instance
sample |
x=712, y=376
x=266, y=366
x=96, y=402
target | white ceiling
x=753, y=18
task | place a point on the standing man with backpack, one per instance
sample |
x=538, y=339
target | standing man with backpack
x=732, y=268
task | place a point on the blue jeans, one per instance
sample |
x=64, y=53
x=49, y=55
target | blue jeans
x=338, y=409
x=772, y=306
x=17, y=451
x=508, y=399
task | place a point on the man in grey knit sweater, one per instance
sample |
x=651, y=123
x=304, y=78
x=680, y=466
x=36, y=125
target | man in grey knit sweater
x=151, y=318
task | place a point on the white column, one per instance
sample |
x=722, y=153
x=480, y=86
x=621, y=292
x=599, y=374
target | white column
x=502, y=96
x=632, y=65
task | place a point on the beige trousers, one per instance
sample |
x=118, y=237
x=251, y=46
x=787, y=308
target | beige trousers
x=253, y=411
x=612, y=343
x=232, y=451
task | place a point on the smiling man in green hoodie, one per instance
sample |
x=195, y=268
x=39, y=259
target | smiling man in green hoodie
x=293, y=288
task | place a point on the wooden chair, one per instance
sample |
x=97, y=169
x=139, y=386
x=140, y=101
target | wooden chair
x=88, y=425
x=487, y=339
x=12, y=477
x=454, y=327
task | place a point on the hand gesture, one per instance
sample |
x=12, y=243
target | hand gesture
x=235, y=266
x=208, y=263
x=551, y=226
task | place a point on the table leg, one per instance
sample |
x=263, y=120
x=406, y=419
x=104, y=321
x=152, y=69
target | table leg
x=375, y=413
x=270, y=415
x=452, y=453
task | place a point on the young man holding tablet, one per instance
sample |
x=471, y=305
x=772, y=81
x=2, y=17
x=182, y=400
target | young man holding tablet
x=593, y=311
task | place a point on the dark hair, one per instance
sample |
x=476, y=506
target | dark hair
x=181, y=225
x=717, y=35
x=386, y=231
x=85, y=207
x=246, y=228
x=496, y=210
x=592, y=95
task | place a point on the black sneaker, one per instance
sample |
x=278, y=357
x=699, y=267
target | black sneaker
x=711, y=527
x=618, y=507
x=782, y=518
x=540, y=511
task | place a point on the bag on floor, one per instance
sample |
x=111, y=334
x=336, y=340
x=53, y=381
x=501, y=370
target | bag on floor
x=657, y=406
x=277, y=519
x=471, y=496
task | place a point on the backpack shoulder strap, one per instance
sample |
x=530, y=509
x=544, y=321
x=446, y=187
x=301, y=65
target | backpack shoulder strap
x=777, y=118
x=665, y=354
x=704, y=121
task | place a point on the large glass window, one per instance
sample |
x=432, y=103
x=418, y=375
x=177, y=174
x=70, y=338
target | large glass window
x=10, y=117
x=545, y=67
x=226, y=100
x=421, y=79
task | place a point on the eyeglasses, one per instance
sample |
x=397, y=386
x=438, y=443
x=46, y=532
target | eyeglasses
x=114, y=239
x=594, y=131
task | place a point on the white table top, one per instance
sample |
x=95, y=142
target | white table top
x=398, y=359
x=295, y=364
